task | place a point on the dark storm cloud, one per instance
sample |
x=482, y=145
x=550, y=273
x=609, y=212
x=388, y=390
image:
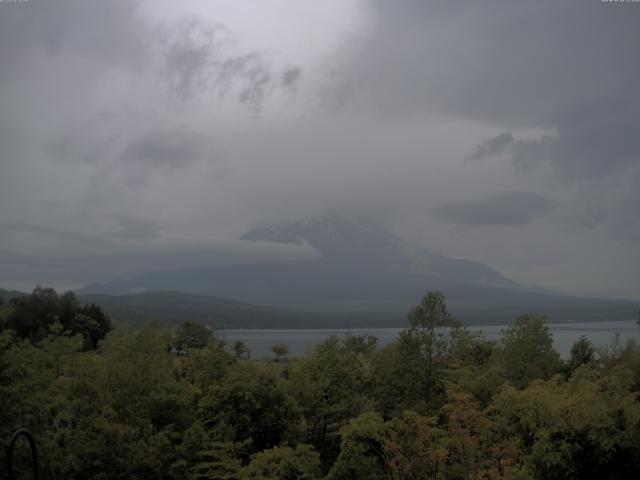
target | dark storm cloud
x=130, y=128
x=191, y=46
x=593, y=140
x=527, y=154
x=506, y=208
x=570, y=66
x=614, y=209
x=590, y=143
x=290, y=77
x=199, y=58
x=560, y=77
x=165, y=149
x=510, y=62
x=256, y=75
x=492, y=146
x=107, y=35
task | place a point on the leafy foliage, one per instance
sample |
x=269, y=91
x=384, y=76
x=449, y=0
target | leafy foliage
x=528, y=351
x=283, y=463
x=192, y=335
x=440, y=402
x=32, y=316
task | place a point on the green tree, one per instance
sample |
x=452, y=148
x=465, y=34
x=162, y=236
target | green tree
x=363, y=449
x=26, y=373
x=332, y=385
x=410, y=372
x=584, y=428
x=61, y=346
x=192, y=335
x=250, y=404
x=432, y=313
x=528, y=351
x=92, y=334
x=67, y=308
x=206, y=367
x=220, y=461
x=283, y=463
x=470, y=348
x=33, y=315
x=89, y=329
x=365, y=344
x=241, y=350
x=125, y=409
x=582, y=353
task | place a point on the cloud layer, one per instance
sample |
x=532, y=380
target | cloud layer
x=505, y=208
x=171, y=129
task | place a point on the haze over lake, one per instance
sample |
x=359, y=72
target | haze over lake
x=301, y=341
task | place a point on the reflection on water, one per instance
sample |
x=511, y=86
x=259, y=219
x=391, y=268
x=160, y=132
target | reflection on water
x=301, y=341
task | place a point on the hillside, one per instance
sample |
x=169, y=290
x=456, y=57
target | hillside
x=170, y=308
x=365, y=273
x=7, y=295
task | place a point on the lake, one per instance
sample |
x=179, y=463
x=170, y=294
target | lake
x=301, y=341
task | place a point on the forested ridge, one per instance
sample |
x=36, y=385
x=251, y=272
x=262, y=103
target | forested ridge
x=440, y=402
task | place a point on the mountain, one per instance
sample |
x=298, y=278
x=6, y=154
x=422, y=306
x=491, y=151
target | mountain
x=7, y=295
x=366, y=270
x=171, y=308
x=342, y=240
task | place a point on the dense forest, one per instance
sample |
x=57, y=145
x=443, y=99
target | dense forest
x=440, y=402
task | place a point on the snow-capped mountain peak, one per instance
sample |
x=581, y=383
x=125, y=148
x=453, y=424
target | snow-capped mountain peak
x=332, y=235
x=354, y=241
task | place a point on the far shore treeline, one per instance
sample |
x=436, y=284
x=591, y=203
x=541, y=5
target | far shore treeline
x=108, y=401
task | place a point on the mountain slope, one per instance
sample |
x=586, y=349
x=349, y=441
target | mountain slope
x=365, y=270
x=339, y=239
x=7, y=295
x=171, y=308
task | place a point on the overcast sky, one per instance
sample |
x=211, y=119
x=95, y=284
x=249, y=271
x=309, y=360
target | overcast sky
x=147, y=135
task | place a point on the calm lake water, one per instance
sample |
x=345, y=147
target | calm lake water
x=301, y=341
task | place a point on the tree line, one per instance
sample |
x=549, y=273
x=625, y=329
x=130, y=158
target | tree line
x=440, y=402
